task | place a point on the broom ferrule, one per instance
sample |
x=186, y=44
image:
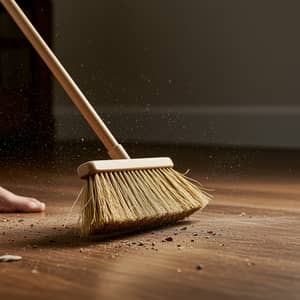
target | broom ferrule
x=99, y=166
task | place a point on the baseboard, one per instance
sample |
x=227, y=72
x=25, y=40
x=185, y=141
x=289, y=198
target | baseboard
x=261, y=126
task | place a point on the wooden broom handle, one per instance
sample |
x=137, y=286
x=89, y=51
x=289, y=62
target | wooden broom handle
x=115, y=150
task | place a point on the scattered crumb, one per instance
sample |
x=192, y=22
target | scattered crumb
x=183, y=228
x=175, y=233
x=81, y=250
x=199, y=267
x=153, y=244
x=192, y=241
x=21, y=220
x=194, y=234
x=222, y=245
x=210, y=232
x=141, y=243
x=31, y=225
x=242, y=214
x=169, y=239
x=249, y=263
x=178, y=245
x=10, y=258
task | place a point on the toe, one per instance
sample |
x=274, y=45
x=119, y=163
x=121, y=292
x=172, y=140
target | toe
x=33, y=205
x=10, y=202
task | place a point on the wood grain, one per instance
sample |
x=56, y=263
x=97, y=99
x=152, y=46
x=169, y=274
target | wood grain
x=247, y=241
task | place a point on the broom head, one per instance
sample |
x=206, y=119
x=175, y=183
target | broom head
x=133, y=194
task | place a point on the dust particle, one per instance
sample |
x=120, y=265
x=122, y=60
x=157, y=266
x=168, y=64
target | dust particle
x=249, y=263
x=169, y=239
x=199, y=267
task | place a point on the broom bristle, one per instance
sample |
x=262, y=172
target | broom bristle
x=120, y=201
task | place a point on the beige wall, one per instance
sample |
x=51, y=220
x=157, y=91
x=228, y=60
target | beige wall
x=182, y=58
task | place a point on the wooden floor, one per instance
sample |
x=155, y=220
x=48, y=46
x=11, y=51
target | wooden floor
x=246, y=242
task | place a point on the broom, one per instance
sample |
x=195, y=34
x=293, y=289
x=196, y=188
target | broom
x=119, y=194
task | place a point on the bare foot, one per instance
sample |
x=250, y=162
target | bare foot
x=10, y=202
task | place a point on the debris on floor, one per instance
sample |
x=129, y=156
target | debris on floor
x=249, y=263
x=10, y=258
x=199, y=267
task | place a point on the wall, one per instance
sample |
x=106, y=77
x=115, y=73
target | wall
x=200, y=72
